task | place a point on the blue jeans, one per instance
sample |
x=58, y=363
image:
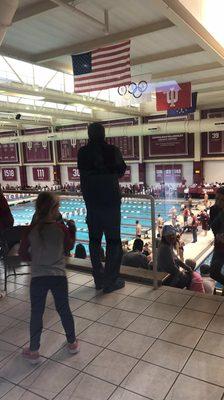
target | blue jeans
x=39, y=288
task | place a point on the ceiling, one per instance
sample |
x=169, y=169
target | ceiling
x=167, y=43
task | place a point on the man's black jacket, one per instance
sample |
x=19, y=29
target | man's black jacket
x=100, y=166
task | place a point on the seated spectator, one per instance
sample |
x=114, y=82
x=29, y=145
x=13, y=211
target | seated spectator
x=168, y=262
x=146, y=250
x=196, y=279
x=135, y=258
x=80, y=251
x=208, y=282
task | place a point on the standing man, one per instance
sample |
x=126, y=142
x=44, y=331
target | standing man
x=194, y=228
x=217, y=225
x=138, y=229
x=100, y=166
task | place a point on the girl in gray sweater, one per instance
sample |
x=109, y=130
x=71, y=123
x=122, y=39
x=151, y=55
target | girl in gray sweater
x=45, y=244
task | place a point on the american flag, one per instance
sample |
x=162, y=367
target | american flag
x=103, y=68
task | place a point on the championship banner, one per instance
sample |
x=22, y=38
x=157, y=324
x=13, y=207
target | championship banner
x=127, y=175
x=73, y=174
x=9, y=174
x=9, y=153
x=129, y=146
x=168, y=145
x=176, y=97
x=68, y=149
x=37, y=152
x=168, y=173
x=215, y=142
x=41, y=174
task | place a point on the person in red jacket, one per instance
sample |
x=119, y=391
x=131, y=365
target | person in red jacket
x=6, y=218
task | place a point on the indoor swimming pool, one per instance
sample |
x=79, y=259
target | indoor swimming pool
x=74, y=208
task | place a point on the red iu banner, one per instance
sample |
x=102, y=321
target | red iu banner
x=41, y=174
x=9, y=174
x=174, y=98
x=168, y=173
x=73, y=174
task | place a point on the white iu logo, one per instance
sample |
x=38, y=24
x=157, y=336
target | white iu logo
x=172, y=97
x=73, y=143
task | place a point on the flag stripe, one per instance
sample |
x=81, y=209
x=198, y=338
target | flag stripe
x=103, y=73
x=112, y=47
x=110, y=54
x=103, y=87
x=95, y=65
x=88, y=84
x=102, y=68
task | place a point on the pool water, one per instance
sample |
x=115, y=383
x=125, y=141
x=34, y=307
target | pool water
x=74, y=208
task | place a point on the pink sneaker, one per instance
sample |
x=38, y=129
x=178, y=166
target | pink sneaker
x=32, y=356
x=74, y=348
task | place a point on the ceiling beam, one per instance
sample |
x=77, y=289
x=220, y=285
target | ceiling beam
x=209, y=79
x=68, y=98
x=164, y=55
x=36, y=9
x=104, y=40
x=187, y=70
x=33, y=9
x=182, y=18
x=50, y=112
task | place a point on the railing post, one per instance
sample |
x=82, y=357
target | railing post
x=154, y=255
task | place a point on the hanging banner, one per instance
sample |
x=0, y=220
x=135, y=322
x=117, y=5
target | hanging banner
x=168, y=173
x=68, y=149
x=215, y=142
x=73, y=174
x=35, y=152
x=129, y=146
x=168, y=145
x=9, y=174
x=9, y=153
x=41, y=174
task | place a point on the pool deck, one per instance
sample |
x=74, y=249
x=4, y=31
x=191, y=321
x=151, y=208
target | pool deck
x=136, y=344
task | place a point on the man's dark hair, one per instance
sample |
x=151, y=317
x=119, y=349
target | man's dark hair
x=96, y=132
x=220, y=190
x=138, y=245
x=205, y=269
x=136, y=221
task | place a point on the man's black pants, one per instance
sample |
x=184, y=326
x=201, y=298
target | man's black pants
x=105, y=220
x=39, y=288
x=216, y=266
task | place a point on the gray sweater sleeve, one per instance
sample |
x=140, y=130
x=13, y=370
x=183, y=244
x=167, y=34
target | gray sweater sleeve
x=166, y=260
